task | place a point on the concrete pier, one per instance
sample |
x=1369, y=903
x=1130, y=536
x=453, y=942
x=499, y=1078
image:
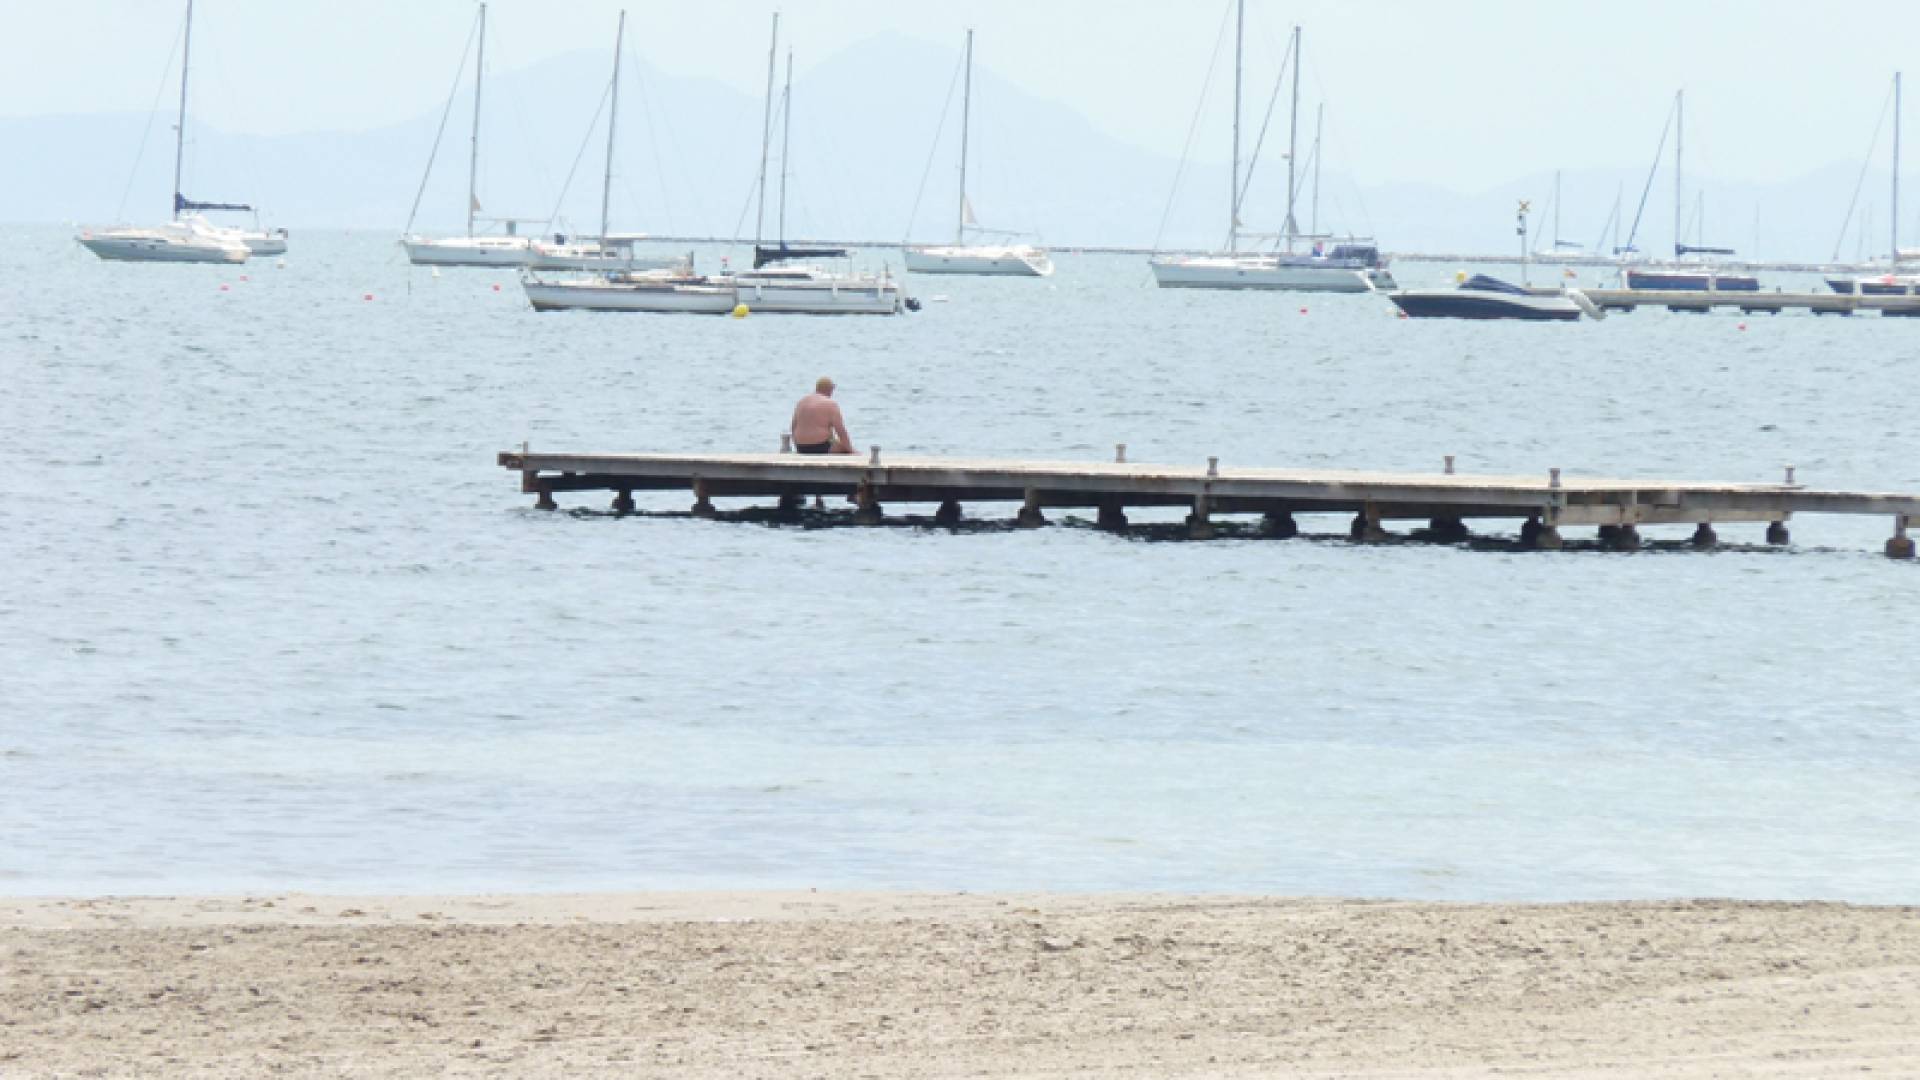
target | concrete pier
x=1445, y=501
x=1752, y=303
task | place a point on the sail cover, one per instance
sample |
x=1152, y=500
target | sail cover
x=181, y=204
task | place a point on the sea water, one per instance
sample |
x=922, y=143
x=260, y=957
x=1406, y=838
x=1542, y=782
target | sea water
x=273, y=618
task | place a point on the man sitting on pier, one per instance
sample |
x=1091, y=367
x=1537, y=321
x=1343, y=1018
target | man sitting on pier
x=818, y=427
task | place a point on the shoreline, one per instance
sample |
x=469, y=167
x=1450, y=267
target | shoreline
x=732, y=984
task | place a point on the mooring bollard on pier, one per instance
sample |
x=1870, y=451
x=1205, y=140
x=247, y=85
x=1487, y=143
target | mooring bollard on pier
x=1542, y=505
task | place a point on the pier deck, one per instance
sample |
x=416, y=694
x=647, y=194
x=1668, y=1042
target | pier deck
x=1769, y=303
x=1543, y=504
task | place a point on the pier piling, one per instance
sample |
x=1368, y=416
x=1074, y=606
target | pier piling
x=1901, y=545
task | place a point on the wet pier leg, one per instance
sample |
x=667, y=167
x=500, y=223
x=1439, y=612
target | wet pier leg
x=866, y=505
x=1200, y=520
x=1704, y=536
x=623, y=502
x=1279, y=525
x=1030, y=516
x=1448, y=530
x=1366, y=526
x=1113, y=516
x=1777, y=534
x=948, y=515
x=1541, y=537
x=1901, y=545
x=702, y=506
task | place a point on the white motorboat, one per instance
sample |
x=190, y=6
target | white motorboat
x=1352, y=265
x=188, y=237
x=1014, y=260
x=1483, y=297
x=471, y=249
x=960, y=257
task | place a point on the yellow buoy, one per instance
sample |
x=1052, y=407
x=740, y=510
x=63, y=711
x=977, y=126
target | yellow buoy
x=739, y=311
x=1459, y=276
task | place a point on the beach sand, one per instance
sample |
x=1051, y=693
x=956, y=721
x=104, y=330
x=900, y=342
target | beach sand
x=741, y=985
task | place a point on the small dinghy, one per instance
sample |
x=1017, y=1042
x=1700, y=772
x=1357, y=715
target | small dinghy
x=1483, y=297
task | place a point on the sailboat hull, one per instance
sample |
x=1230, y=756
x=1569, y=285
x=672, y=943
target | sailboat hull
x=992, y=261
x=1266, y=273
x=510, y=251
x=717, y=296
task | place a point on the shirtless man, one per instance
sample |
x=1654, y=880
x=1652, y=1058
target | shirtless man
x=817, y=425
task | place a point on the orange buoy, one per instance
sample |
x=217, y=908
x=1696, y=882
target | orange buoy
x=368, y=296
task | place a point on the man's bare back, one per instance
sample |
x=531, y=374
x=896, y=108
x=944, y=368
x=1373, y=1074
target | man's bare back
x=818, y=427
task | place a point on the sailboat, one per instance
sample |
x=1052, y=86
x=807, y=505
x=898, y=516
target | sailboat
x=961, y=257
x=1684, y=273
x=188, y=236
x=1893, y=282
x=1353, y=265
x=468, y=250
x=773, y=286
x=607, y=251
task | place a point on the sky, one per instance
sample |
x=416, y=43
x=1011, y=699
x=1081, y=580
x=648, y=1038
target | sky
x=1460, y=95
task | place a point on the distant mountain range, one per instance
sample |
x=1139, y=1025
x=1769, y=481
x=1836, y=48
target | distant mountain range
x=863, y=132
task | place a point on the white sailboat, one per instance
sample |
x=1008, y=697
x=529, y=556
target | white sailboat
x=608, y=251
x=468, y=250
x=1349, y=266
x=1686, y=272
x=1899, y=279
x=773, y=286
x=188, y=236
x=961, y=257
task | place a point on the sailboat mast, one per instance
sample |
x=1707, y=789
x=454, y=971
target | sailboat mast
x=786, y=131
x=966, y=112
x=1233, y=180
x=473, y=160
x=1319, y=123
x=1679, y=203
x=1896, y=171
x=180, y=126
x=766, y=133
x=1293, y=142
x=1556, y=210
x=613, y=125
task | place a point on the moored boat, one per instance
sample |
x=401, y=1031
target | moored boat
x=1484, y=297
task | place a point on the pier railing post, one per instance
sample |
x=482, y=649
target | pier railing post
x=1120, y=453
x=786, y=442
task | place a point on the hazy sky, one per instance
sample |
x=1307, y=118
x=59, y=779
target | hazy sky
x=1460, y=94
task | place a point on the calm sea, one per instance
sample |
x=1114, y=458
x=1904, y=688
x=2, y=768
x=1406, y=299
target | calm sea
x=273, y=619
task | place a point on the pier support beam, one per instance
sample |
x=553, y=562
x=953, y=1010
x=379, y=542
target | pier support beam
x=1279, y=525
x=1200, y=520
x=1901, y=546
x=545, y=501
x=1030, y=516
x=702, y=506
x=1366, y=526
x=1113, y=516
x=623, y=502
x=1448, y=530
x=789, y=507
x=1777, y=534
x=948, y=515
x=866, y=505
x=1704, y=536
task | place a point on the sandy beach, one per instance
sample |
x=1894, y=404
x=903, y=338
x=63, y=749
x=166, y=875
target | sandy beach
x=909, y=985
